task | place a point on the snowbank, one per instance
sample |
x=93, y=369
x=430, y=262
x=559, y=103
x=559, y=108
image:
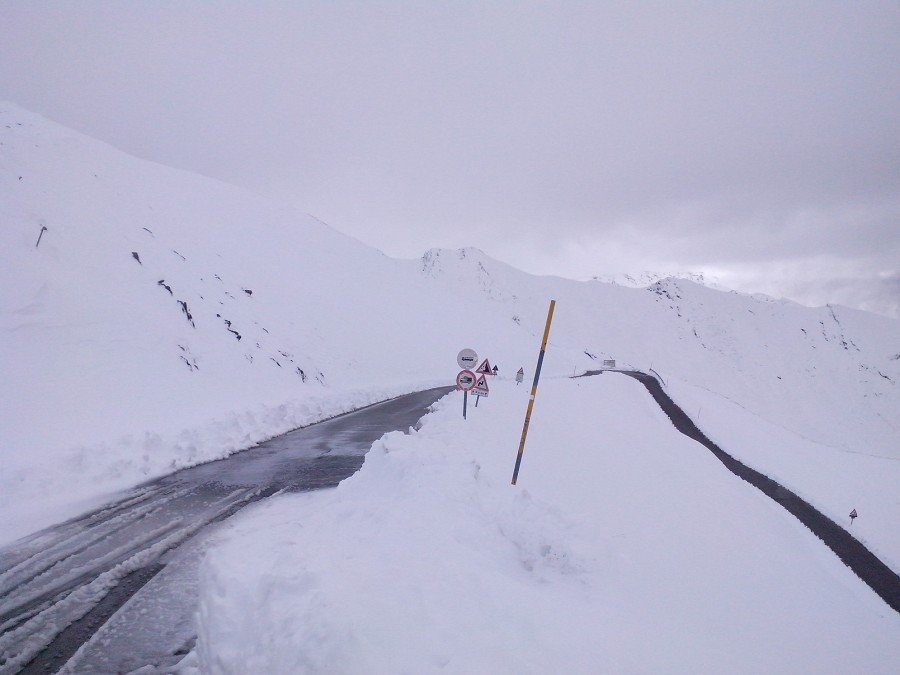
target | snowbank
x=40, y=490
x=625, y=548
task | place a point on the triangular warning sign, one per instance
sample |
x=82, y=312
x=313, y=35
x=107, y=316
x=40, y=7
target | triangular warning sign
x=484, y=368
x=481, y=387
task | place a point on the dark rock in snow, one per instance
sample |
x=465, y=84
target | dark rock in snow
x=187, y=312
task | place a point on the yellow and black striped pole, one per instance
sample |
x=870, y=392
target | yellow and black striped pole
x=537, y=376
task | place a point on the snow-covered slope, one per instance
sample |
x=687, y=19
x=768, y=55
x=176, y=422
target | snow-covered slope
x=166, y=319
x=624, y=548
x=810, y=396
x=787, y=363
x=151, y=319
x=647, y=278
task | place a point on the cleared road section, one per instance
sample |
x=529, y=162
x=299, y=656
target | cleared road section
x=65, y=589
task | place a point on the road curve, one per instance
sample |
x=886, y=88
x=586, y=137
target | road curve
x=874, y=573
x=60, y=586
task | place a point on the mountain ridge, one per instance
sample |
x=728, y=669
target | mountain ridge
x=165, y=319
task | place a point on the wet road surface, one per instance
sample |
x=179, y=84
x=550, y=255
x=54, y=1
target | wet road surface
x=873, y=572
x=116, y=588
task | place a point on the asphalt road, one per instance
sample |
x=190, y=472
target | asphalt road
x=117, y=588
x=878, y=576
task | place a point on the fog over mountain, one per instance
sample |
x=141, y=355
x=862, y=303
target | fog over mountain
x=755, y=143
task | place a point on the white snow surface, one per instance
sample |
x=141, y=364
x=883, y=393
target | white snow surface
x=108, y=382
x=624, y=548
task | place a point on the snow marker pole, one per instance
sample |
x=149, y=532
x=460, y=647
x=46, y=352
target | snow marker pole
x=43, y=229
x=537, y=376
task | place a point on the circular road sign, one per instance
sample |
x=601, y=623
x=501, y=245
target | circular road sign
x=465, y=380
x=467, y=358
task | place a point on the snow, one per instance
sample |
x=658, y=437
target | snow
x=836, y=479
x=121, y=362
x=625, y=547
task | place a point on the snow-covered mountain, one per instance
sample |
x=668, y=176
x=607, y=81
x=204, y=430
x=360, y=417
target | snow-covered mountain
x=165, y=319
x=647, y=278
x=152, y=319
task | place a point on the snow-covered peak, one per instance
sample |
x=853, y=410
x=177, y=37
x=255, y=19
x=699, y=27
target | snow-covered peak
x=647, y=278
x=164, y=317
x=471, y=268
x=438, y=260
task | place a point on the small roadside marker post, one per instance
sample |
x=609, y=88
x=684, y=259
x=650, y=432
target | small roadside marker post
x=853, y=516
x=537, y=376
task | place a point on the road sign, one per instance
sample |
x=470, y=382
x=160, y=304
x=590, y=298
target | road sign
x=520, y=375
x=467, y=358
x=481, y=387
x=484, y=368
x=465, y=380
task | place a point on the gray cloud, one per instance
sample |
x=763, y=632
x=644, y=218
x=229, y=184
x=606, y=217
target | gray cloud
x=573, y=139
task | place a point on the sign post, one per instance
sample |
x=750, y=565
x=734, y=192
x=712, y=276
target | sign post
x=537, y=375
x=465, y=380
x=43, y=229
x=480, y=389
x=853, y=516
x=520, y=376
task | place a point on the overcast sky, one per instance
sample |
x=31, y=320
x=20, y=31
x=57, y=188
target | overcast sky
x=758, y=142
